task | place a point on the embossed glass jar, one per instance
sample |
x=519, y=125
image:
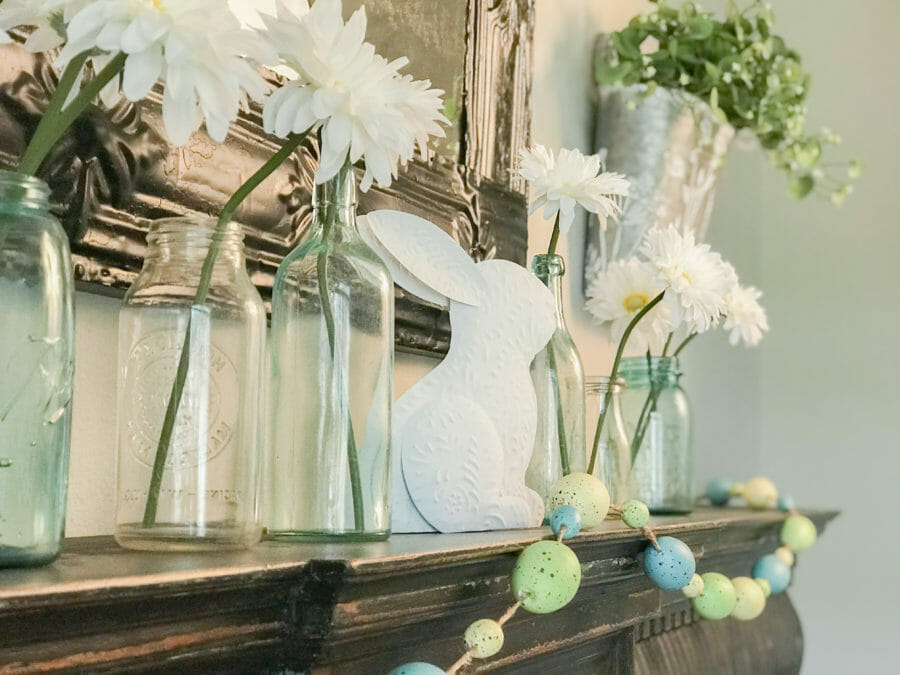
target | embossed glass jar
x=205, y=493
x=36, y=359
x=558, y=378
x=331, y=389
x=658, y=421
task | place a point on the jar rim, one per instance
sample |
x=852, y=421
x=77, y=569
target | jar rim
x=194, y=226
x=24, y=188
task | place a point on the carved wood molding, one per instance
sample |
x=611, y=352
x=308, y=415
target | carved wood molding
x=114, y=171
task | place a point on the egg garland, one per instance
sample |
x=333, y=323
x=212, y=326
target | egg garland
x=547, y=573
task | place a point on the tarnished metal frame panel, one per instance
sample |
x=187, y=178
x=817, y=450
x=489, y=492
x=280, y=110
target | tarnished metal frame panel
x=114, y=171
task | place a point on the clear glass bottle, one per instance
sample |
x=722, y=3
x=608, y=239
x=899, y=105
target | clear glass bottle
x=657, y=418
x=558, y=378
x=331, y=388
x=36, y=368
x=611, y=440
x=206, y=494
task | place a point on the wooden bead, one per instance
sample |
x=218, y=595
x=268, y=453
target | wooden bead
x=484, y=637
x=718, y=597
x=785, y=554
x=751, y=600
x=585, y=493
x=798, y=532
x=760, y=493
x=695, y=588
x=546, y=577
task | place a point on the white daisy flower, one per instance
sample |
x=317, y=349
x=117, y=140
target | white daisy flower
x=45, y=16
x=206, y=60
x=745, y=317
x=361, y=102
x=622, y=290
x=571, y=178
x=697, y=277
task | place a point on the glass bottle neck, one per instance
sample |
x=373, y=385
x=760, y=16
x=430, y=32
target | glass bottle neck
x=334, y=205
x=640, y=371
x=21, y=193
x=550, y=269
x=186, y=241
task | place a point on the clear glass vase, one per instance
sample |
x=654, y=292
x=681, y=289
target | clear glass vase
x=36, y=367
x=558, y=378
x=331, y=390
x=608, y=446
x=201, y=490
x=658, y=421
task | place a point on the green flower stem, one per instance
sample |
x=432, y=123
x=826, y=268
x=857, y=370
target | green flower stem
x=614, y=374
x=328, y=315
x=647, y=402
x=168, y=427
x=684, y=344
x=560, y=418
x=58, y=119
x=554, y=376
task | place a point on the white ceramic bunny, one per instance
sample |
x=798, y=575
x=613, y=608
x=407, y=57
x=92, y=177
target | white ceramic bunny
x=463, y=434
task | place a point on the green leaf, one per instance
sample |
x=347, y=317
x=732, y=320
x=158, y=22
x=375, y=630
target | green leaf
x=713, y=71
x=701, y=28
x=801, y=185
x=628, y=43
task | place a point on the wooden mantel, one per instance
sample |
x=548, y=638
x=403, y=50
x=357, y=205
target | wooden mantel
x=365, y=608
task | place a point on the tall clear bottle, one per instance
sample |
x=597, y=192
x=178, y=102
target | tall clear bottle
x=331, y=389
x=199, y=491
x=558, y=377
x=36, y=367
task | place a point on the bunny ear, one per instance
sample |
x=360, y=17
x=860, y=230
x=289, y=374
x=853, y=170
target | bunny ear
x=423, y=259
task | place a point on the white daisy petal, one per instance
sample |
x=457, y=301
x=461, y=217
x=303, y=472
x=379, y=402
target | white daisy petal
x=142, y=69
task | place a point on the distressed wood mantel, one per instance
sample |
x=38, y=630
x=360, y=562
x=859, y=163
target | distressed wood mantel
x=365, y=608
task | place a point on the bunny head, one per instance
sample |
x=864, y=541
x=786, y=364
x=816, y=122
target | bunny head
x=515, y=316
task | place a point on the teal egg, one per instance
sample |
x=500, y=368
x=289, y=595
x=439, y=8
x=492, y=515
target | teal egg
x=672, y=566
x=775, y=570
x=546, y=576
x=719, y=491
x=583, y=492
x=568, y=517
x=417, y=668
x=718, y=598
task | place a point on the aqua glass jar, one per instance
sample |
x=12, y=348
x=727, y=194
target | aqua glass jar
x=36, y=368
x=558, y=378
x=607, y=444
x=658, y=420
x=332, y=375
x=199, y=491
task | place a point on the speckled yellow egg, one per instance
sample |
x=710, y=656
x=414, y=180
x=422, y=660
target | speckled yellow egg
x=718, y=597
x=546, y=576
x=798, y=532
x=751, y=600
x=484, y=637
x=694, y=588
x=761, y=493
x=784, y=554
x=584, y=492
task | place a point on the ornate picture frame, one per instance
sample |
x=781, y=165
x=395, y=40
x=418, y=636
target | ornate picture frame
x=114, y=172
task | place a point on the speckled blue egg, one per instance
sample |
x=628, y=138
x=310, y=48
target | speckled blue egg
x=673, y=566
x=719, y=491
x=786, y=503
x=417, y=668
x=568, y=517
x=774, y=570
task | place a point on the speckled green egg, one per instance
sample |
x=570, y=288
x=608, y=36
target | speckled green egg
x=584, y=492
x=718, y=597
x=798, y=532
x=635, y=514
x=751, y=600
x=484, y=637
x=546, y=576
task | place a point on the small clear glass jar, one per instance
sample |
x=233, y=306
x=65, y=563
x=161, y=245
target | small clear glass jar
x=205, y=494
x=609, y=445
x=558, y=378
x=37, y=348
x=332, y=379
x=658, y=420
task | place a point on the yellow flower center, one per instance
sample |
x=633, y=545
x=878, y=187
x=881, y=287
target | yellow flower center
x=635, y=302
x=158, y=5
